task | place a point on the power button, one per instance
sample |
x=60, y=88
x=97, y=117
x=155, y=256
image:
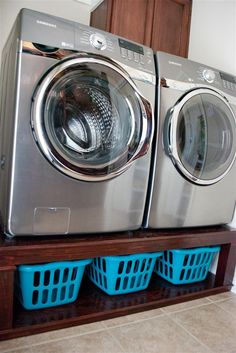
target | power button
x=98, y=41
x=209, y=75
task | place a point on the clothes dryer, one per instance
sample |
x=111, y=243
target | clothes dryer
x=194, y=170
x=76, y=128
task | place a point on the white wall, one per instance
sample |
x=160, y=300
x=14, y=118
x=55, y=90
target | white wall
x=68, y=9
x=213, y=41
x=213, y=34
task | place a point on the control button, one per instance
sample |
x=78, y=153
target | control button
x=141, y=59
x=130, y=55
x=98, y=41
x=123, y=52
x=136, y=57
x=208, y=75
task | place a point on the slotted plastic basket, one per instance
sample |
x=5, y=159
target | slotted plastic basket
x=52, y=284
x=186, y=265
x=123, y=274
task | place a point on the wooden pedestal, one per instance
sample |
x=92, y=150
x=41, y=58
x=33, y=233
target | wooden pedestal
x=92, y=304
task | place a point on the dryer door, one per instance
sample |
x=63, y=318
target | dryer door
x=202, y=136
x=89, y=119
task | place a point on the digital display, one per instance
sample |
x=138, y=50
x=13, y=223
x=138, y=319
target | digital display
x=131, y=46
x=227, y=77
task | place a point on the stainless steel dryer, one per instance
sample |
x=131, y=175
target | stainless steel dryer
x=76, y=127
x=194, y=169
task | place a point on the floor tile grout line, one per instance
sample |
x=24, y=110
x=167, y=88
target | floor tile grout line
x=221, y=300
x=190, y=334
x=160, y=315
x=136, y=321
x=30, y=344
x=15, y=349
x=116, y=340
x=69, y=336
x=104, y=328
x=209, y=300
x=226, y=311
x=189, y=308
x=102, y=323
x=168, y=316
x=27, y=345
x=230, y=295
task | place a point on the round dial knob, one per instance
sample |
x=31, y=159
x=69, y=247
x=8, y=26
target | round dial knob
x=209, y=75
x=98, y=41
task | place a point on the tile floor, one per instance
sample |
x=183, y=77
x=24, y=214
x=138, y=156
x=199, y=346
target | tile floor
x=200, y=326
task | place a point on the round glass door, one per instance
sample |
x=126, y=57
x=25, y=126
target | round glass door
x=89, y=119
x=202, y=136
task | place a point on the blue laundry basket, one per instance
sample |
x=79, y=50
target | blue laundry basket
x=123, y=274
x=186, y=265
x=51, y=284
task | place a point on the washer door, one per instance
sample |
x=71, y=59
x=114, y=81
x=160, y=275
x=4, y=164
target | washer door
x=88, y=118
x=202, y=136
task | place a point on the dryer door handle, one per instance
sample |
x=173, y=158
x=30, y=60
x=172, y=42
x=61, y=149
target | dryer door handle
x=167, y=133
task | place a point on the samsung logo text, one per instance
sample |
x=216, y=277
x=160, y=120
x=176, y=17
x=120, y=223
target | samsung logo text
x=46, y=24
x=174, y=63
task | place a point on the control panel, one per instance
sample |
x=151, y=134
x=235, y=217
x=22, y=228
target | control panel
x=184, y=74
x=129, y=53
x=51, y=34
x=134, y=52
x=217, y=78
x=228, y=81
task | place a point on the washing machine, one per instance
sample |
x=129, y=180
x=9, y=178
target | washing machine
x=76, y=128
x=194, y=170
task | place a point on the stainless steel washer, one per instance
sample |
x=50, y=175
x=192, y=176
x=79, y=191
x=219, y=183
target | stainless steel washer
x=194, y=170
x=76, y=127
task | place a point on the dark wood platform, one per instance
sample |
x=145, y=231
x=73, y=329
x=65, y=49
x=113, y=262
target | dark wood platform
x=92, y=304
